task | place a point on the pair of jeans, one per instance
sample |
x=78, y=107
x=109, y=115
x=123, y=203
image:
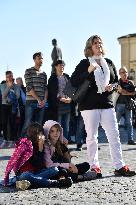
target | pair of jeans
x=64, y=119
x=32, y=113
x=122, y=110
x=40, y=178
x=80, y=130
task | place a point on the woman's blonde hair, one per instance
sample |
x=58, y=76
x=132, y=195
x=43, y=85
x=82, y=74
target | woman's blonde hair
x=88, y=47
x=123, y=68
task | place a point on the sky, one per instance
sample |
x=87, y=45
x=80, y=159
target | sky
x=29, y=26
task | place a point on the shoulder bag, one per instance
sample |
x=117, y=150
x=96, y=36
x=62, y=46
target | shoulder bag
x=76, y=93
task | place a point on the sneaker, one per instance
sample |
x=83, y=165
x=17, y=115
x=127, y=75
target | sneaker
x=125, y=172
x=65, y=183
x=11, y=144
x=88, y=176
x=3, y=144
x=97, y=170
x=131, y=142
x=23, y=184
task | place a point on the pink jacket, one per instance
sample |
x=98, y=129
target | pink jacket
x=22, y=152
x=49, y=148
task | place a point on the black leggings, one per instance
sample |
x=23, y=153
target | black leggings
x=82, y=169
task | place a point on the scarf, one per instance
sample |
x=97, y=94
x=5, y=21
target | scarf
x=101, y=73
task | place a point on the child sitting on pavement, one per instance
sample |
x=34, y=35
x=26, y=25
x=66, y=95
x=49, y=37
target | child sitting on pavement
x=28, y=165
x=57, y=154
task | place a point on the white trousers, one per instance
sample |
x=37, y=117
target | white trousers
x=107, y=119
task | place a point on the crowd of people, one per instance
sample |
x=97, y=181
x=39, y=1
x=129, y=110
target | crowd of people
x=37, y=102
x=41, y=119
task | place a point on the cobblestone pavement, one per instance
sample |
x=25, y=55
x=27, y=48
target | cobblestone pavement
x=108, y=190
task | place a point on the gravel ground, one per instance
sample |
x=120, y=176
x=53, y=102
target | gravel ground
x=108, y=190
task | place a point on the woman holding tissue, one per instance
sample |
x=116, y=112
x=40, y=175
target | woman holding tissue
x=97, y=106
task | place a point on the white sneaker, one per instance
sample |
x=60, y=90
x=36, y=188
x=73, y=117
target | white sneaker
x=23, y=184
x=3, y=144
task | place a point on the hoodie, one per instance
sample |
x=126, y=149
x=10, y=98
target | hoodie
x=49, y=148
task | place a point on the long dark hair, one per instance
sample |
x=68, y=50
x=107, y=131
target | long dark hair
x=33, y=132
x=58, y=144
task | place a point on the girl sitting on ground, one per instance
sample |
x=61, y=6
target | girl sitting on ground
x=28, y=165
x=57, y=154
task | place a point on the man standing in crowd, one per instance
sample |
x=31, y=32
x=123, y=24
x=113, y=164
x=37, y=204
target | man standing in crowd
x=36, y=92
x=10, y=94
x=126, y=90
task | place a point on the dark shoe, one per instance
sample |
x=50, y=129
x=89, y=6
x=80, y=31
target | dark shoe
x=71, y=142
x=131, y=142
x=99, y=148
x=65, y=183
x=87, y=176
x=79, y=147
x=125, y=172
x=97, y=171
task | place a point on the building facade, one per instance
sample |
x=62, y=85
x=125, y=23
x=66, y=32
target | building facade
x=128, y=54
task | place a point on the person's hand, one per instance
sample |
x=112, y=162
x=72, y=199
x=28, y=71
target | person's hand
x=73, y=168
x=109, y=88
x=41, y=103
x=65, y=142
x=41, y=142
x=65, y=100
x=92, y=67
x=119, y=89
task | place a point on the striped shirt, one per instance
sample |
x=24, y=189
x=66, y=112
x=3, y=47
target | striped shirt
x=36, y=80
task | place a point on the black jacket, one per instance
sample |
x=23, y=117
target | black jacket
x=92, y=99
x=128, y=86
x=53, y=101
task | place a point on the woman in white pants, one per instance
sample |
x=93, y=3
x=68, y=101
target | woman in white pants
x=97, y=107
